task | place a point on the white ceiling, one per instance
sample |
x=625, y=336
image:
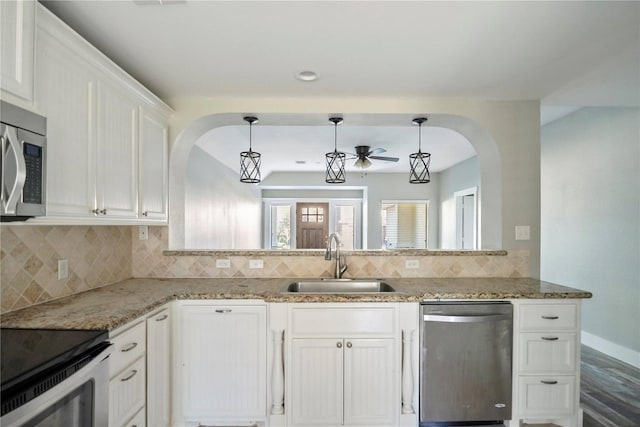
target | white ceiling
x=282, y=146
x=567, y=54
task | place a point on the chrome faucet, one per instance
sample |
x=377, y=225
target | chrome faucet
x=341, y=260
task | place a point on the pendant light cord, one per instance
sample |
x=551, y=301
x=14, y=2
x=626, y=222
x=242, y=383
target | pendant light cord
x=250, y=137
x=419, y=137
x=335, y=138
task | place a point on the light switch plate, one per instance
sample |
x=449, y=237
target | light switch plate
x=522, y=232
x=223, y=263
x=63, y=269
x=256, y=263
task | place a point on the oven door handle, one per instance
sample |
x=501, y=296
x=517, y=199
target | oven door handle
x=466, y=319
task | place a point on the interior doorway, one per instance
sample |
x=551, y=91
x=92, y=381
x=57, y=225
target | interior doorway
x=467, y=218
x=312, y=225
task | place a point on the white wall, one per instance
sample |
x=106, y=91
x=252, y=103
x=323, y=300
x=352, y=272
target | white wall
x=220, y=211
x=461, y=176
x=590, y=166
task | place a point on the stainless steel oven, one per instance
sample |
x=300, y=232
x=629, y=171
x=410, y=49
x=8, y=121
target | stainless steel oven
x=465, y=363
x=54, y=378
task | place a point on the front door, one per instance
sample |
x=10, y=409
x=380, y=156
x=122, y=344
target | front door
x=312, y=225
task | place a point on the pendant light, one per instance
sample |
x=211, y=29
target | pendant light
x=250, y=160
x=335, y=160
x=419, y=161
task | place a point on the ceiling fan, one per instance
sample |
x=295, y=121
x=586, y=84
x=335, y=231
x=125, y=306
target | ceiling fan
x=364, y=153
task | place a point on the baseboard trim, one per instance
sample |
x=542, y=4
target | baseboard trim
x=612, y=349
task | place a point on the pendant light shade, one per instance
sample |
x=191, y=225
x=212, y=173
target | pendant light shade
x=250, y=160
x=335, y=160
x=419, y=161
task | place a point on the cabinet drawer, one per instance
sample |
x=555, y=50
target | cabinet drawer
x=547, y=353
x=127, y=393
x=548, y=396
x=336, y=321
x=548, y=317
x=128, y=346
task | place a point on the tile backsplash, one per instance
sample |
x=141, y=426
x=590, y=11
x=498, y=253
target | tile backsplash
x=101, y=255
x=29, y=254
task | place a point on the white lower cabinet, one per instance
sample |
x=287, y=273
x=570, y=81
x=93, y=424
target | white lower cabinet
x=127, y=369
x=344, y=365
x=220, y=363
x=547, y=362
x=159, y=369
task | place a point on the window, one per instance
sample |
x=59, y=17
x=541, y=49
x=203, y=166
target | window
x=404, y=224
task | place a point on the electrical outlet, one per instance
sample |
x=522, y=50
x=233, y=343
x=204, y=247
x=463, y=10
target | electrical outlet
x=63, y=269
x=223, y=263
x=143, y=232
x=522, y=232
x=256, y=263
x=412, y=263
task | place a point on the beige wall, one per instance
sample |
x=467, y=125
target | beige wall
x=513, y=162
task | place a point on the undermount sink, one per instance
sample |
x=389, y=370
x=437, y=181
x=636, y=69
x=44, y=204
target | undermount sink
x=340, y=286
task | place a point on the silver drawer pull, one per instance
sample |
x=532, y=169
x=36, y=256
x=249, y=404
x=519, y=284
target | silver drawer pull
x=549, y=382
x=225, y=310
x=349, y=345
x=550, y=338
x=129, y=347
x=131, y=375
x=339, y=344
x=550, y=317
x=161, y=318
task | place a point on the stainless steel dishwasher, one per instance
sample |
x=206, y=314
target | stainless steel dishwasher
x=465, y=363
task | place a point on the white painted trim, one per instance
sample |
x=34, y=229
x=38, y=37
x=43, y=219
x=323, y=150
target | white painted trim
x=612, y=349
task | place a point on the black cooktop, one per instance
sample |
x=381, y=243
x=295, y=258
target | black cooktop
x=27, y=353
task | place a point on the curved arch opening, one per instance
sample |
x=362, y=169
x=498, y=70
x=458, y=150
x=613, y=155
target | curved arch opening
x=189, y=141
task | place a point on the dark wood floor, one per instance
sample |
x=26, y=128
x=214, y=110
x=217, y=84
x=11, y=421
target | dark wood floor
x=609, y=392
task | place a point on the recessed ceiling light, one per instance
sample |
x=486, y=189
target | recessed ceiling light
x=301, y=162
x=307, y=76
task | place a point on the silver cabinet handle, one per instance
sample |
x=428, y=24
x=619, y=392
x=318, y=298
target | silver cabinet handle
x=131, y=375
x=223, y=310
x=145, y=213
x=95, y=211
x=103, y=211
x=161, y=318
x=550, y=338
x=549, y=382
x=129, y=347
x=349, y=345
x=550, y=317
x=339, y=344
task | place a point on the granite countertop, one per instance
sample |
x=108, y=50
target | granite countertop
x=114, y=305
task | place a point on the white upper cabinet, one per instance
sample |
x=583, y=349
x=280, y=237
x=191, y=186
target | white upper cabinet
x=153, y=185
x=107, y=135
x=16, y=60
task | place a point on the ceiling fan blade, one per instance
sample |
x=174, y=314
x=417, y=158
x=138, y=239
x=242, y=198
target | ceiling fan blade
x=376, y=151
x=386, y=159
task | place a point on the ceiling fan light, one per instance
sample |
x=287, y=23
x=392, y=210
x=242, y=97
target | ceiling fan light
x=362, y=163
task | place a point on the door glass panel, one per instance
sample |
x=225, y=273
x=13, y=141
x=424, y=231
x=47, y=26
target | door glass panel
x=281, y=227
x=73, y=410
x=345, y=226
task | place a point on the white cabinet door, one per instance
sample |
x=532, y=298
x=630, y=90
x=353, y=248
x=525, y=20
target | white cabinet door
x=316, y=396
x=65, y=94
x=158, y=369
x=117, y=162
x=369, y=386
x=222, y=352
x=16, y=56
x=153, y=166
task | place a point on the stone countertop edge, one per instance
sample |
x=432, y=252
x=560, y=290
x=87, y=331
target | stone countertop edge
x=320, y=252
x=112, y=306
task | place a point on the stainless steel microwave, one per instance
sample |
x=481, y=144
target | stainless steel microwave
x=23, y=161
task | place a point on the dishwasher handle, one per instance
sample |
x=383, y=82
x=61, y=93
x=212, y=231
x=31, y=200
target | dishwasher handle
x=466, y=319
